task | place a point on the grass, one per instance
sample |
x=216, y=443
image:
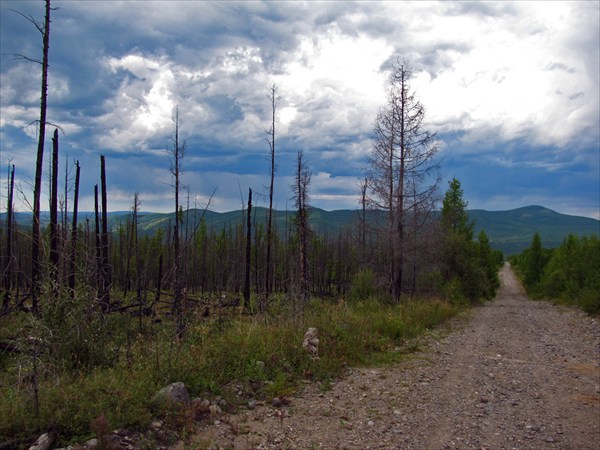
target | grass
x=262, y=356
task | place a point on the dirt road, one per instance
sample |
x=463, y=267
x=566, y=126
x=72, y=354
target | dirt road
x=516, y=374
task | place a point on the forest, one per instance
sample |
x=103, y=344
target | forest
x=96, y=319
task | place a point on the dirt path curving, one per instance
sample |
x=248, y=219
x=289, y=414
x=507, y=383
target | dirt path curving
x=517, y=374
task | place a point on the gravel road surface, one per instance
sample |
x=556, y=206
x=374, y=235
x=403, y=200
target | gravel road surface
x=513, y=374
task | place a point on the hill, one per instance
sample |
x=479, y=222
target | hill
x=509, y=231
x=512, y=231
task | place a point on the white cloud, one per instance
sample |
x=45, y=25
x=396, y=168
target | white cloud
x=143, y=106
x=519, y=79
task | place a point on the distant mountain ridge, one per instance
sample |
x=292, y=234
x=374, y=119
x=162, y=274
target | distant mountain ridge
x=510, y=231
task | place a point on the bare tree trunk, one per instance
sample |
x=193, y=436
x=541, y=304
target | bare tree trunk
x=158, y=281
x=248, y=252
x=363, y=220
x=271, y=141
x=106, y=272
x=9, y=232
x=177, y=154
x=54, y=215
x=36, y=267
x=65, y=215
x=74, y=232
x=98, y=242
x=300, y=189
x=138, y=270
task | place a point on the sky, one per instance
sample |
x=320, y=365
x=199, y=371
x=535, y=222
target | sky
x=511, y=90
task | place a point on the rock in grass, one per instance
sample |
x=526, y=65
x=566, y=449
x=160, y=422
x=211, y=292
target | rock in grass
x=276, y=402
x=172, y=396
x=311, y=342
x=44, y=442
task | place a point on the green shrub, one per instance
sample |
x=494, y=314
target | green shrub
x=363, y=285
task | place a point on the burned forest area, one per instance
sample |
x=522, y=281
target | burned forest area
x=193, y=335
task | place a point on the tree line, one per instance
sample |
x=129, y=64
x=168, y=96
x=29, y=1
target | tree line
x=569, y=273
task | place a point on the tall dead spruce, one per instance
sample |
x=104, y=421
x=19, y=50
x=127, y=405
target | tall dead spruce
x=301, y=198
x=176, y=154
x=271, y=141
x=36, y=266
x=403, y=175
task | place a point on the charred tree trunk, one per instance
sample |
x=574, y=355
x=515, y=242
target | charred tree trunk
x=271, y=140
x=105, y=270
x=98, y=245
x=177, y=154
x=9, y=232
x=54, y=216
x=248, y=252
x=36, y=266
x=158, y=281
x=74, y=233
x=300, y=189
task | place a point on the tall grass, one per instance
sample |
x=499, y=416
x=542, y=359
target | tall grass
x=261, y=356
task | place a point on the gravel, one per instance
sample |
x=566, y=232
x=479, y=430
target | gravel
x=512, y=374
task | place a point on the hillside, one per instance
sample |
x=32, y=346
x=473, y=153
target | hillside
x=510, y=231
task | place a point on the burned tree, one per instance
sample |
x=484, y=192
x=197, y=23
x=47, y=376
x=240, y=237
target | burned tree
x=105, y=271
x=403, y=173
x=73, y=249
x=176, y=154
x=248, y=252
x=300, y=188
x=36, y=267
x=7, y=282
x=54, y=256
x=271, y=141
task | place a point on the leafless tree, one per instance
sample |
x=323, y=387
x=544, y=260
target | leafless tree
x=273, y=99
x=7, y=274
x=300, y=189
x=36, y=267
x=54, y=255
x=105, y=271
x=176, y=154
x=74, y=232
x=248, y=252
x=402, y=157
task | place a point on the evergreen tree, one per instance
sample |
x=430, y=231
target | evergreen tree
x=535, y=261
x=462, y=272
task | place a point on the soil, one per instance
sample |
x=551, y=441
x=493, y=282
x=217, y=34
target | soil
x=511, y=374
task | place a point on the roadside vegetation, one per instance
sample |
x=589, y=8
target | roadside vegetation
x=569, y=274
x=71, y=370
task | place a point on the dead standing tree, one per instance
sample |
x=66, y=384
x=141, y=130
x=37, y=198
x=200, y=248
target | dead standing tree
x=8, y=264
x=36, y=266
x=73, y=249
x=176, y=154
x=300, y=190
x=271, y=141
x=54, y=254
x=248, y=252
x=105, y=271
x=402, y=158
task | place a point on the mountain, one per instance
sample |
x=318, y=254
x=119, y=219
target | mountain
x=510, y=231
